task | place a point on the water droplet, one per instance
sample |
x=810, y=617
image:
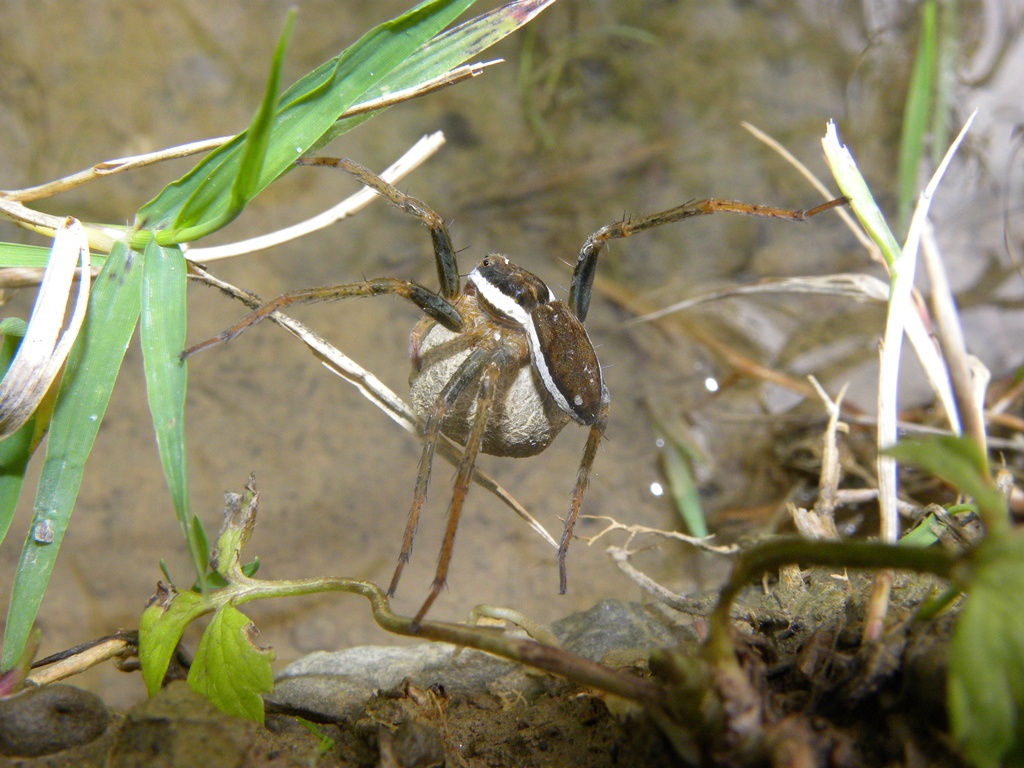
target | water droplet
x=657, y=489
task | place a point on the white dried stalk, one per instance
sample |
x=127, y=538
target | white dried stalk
x=41, y=353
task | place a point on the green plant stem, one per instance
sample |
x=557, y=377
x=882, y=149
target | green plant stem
x=534, y=654
x=839, y=554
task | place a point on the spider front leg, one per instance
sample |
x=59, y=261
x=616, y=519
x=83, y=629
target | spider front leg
x=586, y=262
x=444, y=252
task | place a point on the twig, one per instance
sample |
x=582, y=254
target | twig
x=539, y=655
x=828, y=484
x=635, y=530
x=74, y=661
x=689, y=605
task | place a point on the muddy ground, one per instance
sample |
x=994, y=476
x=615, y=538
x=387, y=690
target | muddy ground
x=824, y=700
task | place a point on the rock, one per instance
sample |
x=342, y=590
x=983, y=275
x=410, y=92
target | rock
x=615, y=625
x=330, y=686
x=52, y=718
x=178, y=728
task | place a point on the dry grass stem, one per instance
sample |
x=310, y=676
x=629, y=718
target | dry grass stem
x=132, y=162
x=900, y=308
x=970, y=401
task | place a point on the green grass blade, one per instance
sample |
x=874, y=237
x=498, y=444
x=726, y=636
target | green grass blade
x=81, y=402
x=446, y=51
x=683, y=486
x=917, y=113
x=461, y=43
x=16, y=449
x=162, y=336
x=257, y=136
x=33, y=256
x=852, y=185
x=306, y=111
x=253, y=151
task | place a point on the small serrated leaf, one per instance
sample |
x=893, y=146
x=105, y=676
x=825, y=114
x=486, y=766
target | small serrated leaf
x=160, y=630
x=229, y=669
x=986, y=658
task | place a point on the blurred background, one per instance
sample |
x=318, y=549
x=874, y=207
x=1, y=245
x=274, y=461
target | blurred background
x=601, y=109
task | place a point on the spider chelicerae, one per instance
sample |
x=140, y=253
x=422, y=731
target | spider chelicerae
x=500, y=365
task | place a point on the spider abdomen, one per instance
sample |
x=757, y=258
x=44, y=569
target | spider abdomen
x=523, y=419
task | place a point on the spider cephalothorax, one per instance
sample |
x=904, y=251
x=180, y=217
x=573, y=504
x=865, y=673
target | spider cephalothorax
x=501, y=365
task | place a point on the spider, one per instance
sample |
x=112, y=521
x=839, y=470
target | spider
x=500, y=365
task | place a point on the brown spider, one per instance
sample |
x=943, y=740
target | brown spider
x=500, y=365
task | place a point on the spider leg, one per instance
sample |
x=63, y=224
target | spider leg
x=484, y=401
x=433, y=305
x=582, y=481
x=468, y=372
x=586, y=262
x=444, y=253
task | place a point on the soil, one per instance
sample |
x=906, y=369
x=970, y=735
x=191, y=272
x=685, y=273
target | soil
x=823, y=700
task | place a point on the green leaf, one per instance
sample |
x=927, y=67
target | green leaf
x=305, y=112
x=257, y=136
x=34, y=256
x=89, y=377
x=444, y=52
x=253, y=150
x=917, y=113
x=160, y=629
x=162, y=336
x=862, y=202
x=16, y=449
x=961, y=463
x=229, y=668
x=986, y=658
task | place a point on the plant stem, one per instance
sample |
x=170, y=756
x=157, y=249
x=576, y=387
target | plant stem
x=530, y=652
